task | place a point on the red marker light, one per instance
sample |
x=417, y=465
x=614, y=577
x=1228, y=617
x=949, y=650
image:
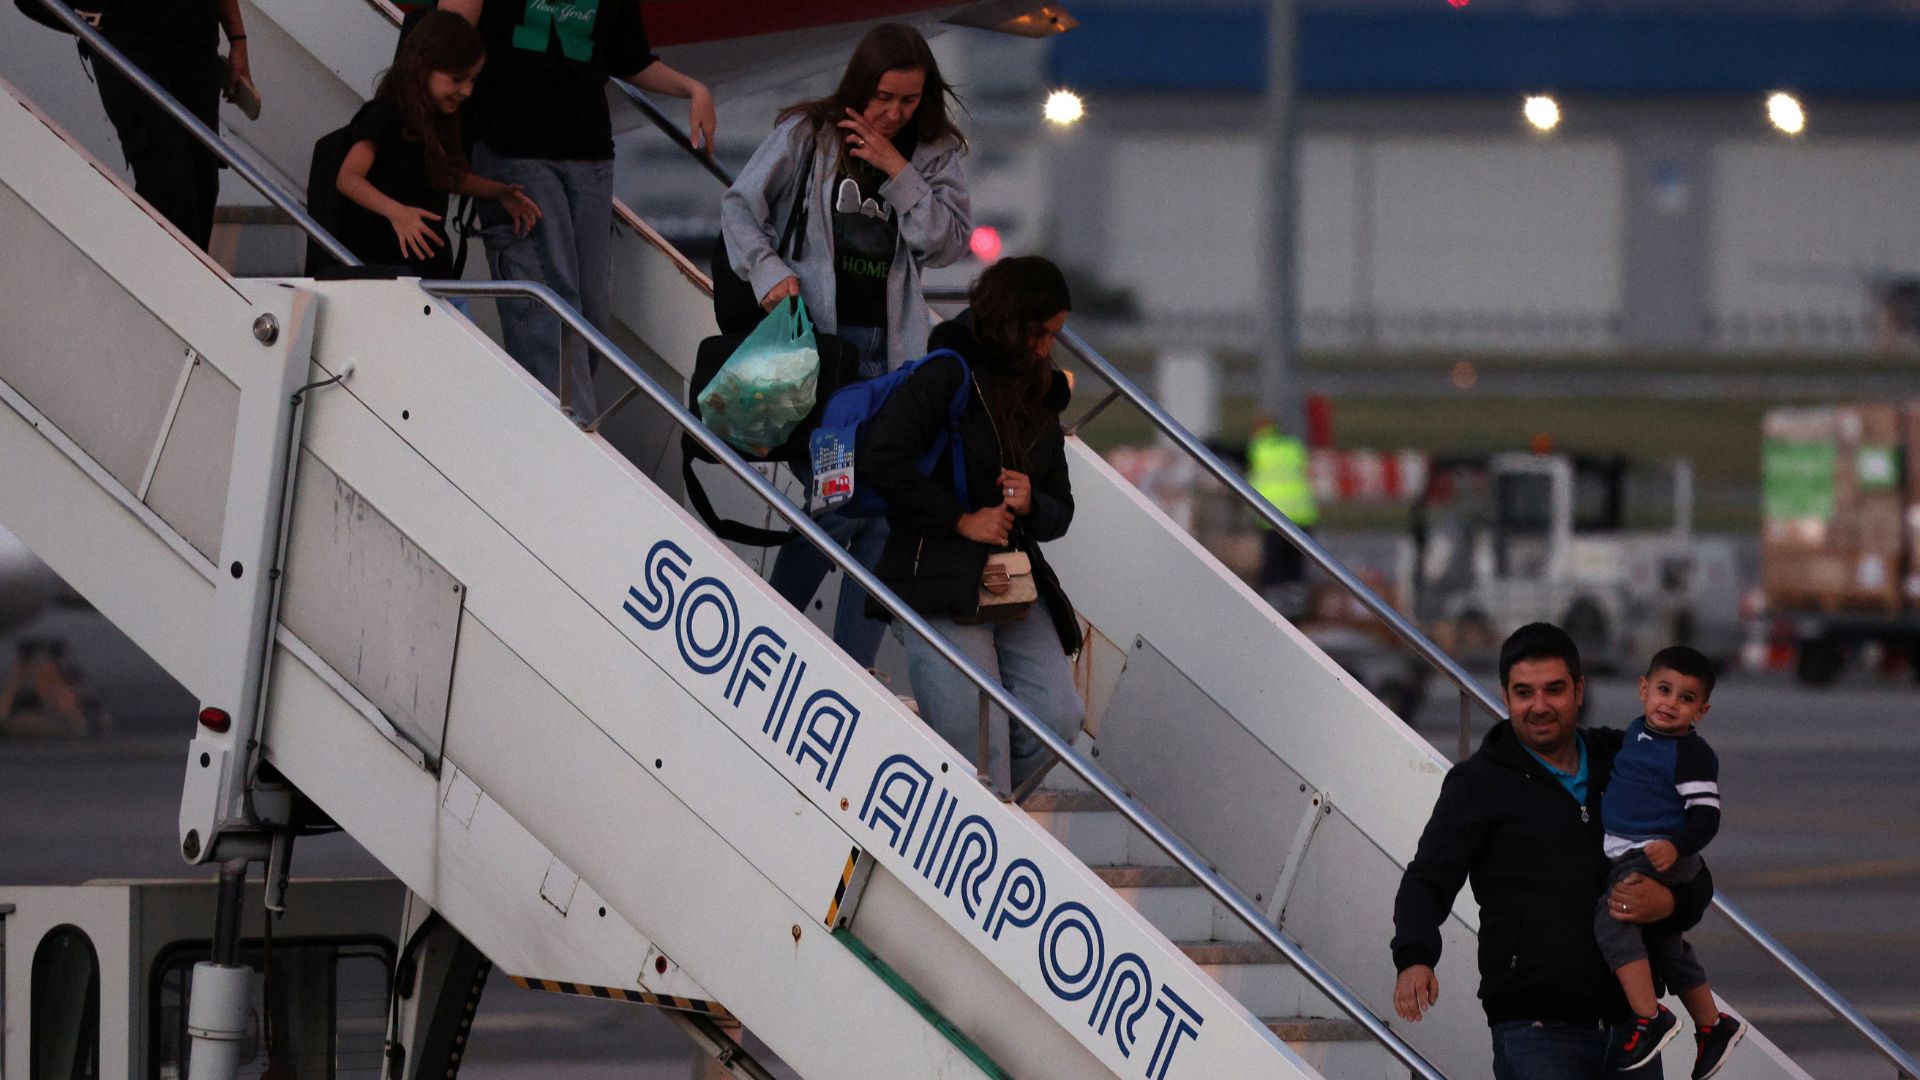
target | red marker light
x=985, y=244
x=215, y=720
x=1458, y=3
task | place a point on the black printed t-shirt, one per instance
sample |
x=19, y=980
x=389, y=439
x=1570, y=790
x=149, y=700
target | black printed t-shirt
x=400, y=172
x=866, y=233
x=543, y=91
x=188, y=25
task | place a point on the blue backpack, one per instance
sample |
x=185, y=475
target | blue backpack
x=843, y=422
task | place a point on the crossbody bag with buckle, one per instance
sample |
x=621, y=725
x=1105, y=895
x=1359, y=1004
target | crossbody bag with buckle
x=1007, y=589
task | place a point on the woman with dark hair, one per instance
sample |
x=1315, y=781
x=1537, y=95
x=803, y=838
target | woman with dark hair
x=886, y=199
x=1017, y=497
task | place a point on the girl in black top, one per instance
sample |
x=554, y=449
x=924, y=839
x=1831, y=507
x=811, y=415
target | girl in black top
x=408, y=154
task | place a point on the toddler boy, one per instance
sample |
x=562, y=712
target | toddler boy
x=1661, y=808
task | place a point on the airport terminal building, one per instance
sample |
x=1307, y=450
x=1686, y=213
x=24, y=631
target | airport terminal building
x=1659, y=201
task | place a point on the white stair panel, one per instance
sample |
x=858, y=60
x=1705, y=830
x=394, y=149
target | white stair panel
x=670, y=766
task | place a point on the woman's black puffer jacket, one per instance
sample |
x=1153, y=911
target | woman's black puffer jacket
x=932, y=567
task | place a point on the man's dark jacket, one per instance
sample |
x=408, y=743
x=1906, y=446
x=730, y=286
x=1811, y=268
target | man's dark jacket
x=1533, y=855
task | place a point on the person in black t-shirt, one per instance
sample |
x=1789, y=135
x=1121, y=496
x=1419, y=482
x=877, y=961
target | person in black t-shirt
x=407, y=153
x=887, y=198
x=541, y=120
x=177, y=44
x=866, y=236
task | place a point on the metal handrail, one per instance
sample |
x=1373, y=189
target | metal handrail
x=1298, y=537
x=207, y=137
x=1222, y=891
x=680, y=138
x=1840, y=1007
x=1325, y=981
x=1470, y=688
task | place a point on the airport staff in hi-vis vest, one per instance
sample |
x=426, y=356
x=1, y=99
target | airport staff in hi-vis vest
x=1277, y=469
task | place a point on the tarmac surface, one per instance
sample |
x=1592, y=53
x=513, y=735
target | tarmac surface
x=1821, y=844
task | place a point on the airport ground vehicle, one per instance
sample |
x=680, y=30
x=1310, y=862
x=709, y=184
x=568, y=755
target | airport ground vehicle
x=1840, y=534
x=1504, y=539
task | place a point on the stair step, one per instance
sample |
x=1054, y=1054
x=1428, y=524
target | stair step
x=1336, y=1048
x=1254, y=972
x=1220, y=953
x=1294, y=1029
x=1146, y=877
x=1092, y=829
x=1175, y=903
x=1065, y=801
x=1260, y=977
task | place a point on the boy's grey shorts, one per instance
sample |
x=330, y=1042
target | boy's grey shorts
x=1624, y=942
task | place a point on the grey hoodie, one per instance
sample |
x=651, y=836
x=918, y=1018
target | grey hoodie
x=930, y=197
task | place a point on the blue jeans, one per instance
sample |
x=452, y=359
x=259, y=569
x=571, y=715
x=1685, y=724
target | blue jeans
x=570, y=250
x=1524, y=1050
x=869, y=346
x=1024, y=655
x=800, y=567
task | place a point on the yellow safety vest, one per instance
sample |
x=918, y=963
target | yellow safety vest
x=1277, y=469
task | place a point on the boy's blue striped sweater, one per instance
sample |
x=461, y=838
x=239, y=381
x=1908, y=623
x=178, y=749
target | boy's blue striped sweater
x=1665, y=787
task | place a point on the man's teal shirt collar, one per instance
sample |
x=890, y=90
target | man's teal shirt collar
x=1575, y=782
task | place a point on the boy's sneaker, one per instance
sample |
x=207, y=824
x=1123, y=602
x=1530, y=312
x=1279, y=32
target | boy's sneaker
x=1712, y=1044
x=1641, y=1041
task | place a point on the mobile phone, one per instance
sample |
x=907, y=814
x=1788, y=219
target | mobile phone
x=247, y=99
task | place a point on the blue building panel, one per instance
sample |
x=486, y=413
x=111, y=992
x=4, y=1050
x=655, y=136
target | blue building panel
x=1450, y=51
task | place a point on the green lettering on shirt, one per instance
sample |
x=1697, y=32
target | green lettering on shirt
x=573, y=19
x=856, y=266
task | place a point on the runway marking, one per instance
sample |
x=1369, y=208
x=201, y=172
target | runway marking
x=1864, y=870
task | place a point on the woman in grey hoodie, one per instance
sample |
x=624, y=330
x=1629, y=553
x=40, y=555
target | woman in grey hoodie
x=886, y=199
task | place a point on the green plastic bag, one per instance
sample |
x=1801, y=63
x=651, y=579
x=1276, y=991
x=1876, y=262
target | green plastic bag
x=767, y=386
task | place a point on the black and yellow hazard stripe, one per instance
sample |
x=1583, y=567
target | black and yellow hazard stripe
x=840, y=892
x=614, y=993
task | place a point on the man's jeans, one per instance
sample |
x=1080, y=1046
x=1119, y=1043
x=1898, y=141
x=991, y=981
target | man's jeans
x=570, y=250
x=1524, y=1050
x=800, y=567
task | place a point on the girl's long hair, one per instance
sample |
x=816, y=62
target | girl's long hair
x=440, y=41
x=1011, y=301
x=887, y=47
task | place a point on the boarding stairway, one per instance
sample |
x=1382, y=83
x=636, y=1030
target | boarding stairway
x=526, y=680
x=512, y=666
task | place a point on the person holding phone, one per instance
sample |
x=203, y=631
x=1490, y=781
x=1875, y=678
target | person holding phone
x=888, y=200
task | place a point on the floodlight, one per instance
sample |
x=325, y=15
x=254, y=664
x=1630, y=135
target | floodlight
x=1786, y=112
x=1064, y=107
x=1542, y=112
